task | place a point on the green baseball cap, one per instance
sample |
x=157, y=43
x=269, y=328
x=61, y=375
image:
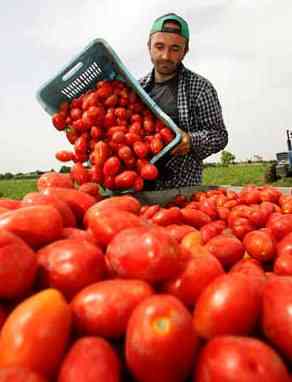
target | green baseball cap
x=158, y=25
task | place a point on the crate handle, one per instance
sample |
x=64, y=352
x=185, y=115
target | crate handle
x=72, y=71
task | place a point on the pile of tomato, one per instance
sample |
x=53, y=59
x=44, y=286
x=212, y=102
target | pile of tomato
x=111, y=290
x=114, y=137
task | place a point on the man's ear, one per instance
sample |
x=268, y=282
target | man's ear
x=149, y=44
x=186, y=49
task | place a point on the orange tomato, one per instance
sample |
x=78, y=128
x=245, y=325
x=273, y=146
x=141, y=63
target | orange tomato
x=36, y=332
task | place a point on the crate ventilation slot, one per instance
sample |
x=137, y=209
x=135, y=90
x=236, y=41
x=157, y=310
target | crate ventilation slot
x=83, y=82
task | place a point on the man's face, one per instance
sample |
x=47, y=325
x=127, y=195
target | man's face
x=167, y=50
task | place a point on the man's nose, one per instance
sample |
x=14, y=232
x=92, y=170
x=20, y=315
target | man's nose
x=165, y=54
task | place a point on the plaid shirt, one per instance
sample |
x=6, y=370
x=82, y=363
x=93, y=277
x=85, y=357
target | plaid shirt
x=200, y=115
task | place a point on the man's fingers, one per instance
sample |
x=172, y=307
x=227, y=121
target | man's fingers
x=183, y=147
x=179, y=151
x=174, y=151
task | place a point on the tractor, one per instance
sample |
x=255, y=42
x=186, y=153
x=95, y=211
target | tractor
x=284, y=159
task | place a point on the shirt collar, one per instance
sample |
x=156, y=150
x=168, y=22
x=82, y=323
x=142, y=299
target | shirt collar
x=149, y=79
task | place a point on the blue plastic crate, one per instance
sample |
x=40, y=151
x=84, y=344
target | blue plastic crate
x=96, y=62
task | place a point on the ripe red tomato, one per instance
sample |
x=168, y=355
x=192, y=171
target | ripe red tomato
x=251, y=268
x=37, y=225
x=95, y=175
x=111, y=166
x=88, y=120
x=270, y=194
x=111, y=101
x=10, y=204
x=228, y=306
x=70, y=265
x=90, y=359
x=3, y=316
x=192, y=243
x=156, y=145
x=158, y=254
x=118, y=137
x=81, y=144
x=241, y=226
x=277, y=314
x=252, y=360
x=283, y=265
x=59, y=121
x=79, y=173
x=125, y=153
x=3, y=210
x=140, y=149
x=124, y=202
x=101, y=153
x=147, y=212
x=97, y=114
x=106, y=223
x=104, y=91
x=208, y=206
x=78, y=201
x=260, y=245
x=76, y=102
x=258, y=217
x=210, y=230
x=75, y=113
x=131, y=138
x=249, y=195
x=104, y=308
x=64, y=156
x=280, y=225
x=155, y=329
x=89, y=100
x=54, y=179
x=109, y=119
x=121, y=113
x=179, y=231
x=228, y=250
x=195, y=218
x=166, y=135
x=79, y=127
x=125, y=180
x=149, y=172
x=43, y=324
x=167, y=216
x=136, y=128
x=148, y=125
x=198, y=273
x=36, y=198
x=18, y=266
x=78, y=234
x=19, y=374
x=138, y=184
x=136, y=118
x=96, y=132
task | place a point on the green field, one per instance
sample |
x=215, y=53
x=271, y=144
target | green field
x=234, y=175
x=16, y=189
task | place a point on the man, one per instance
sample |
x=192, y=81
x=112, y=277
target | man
x=188, y=98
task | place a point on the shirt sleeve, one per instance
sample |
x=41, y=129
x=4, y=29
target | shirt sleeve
x=212, y=135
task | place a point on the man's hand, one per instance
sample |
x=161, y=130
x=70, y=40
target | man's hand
x=184, y=146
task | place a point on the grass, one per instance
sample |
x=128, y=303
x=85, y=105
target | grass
x=233, y=175
x=16, y=188
x=237, y=175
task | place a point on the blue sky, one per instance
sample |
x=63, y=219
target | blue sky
x=243, y=47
